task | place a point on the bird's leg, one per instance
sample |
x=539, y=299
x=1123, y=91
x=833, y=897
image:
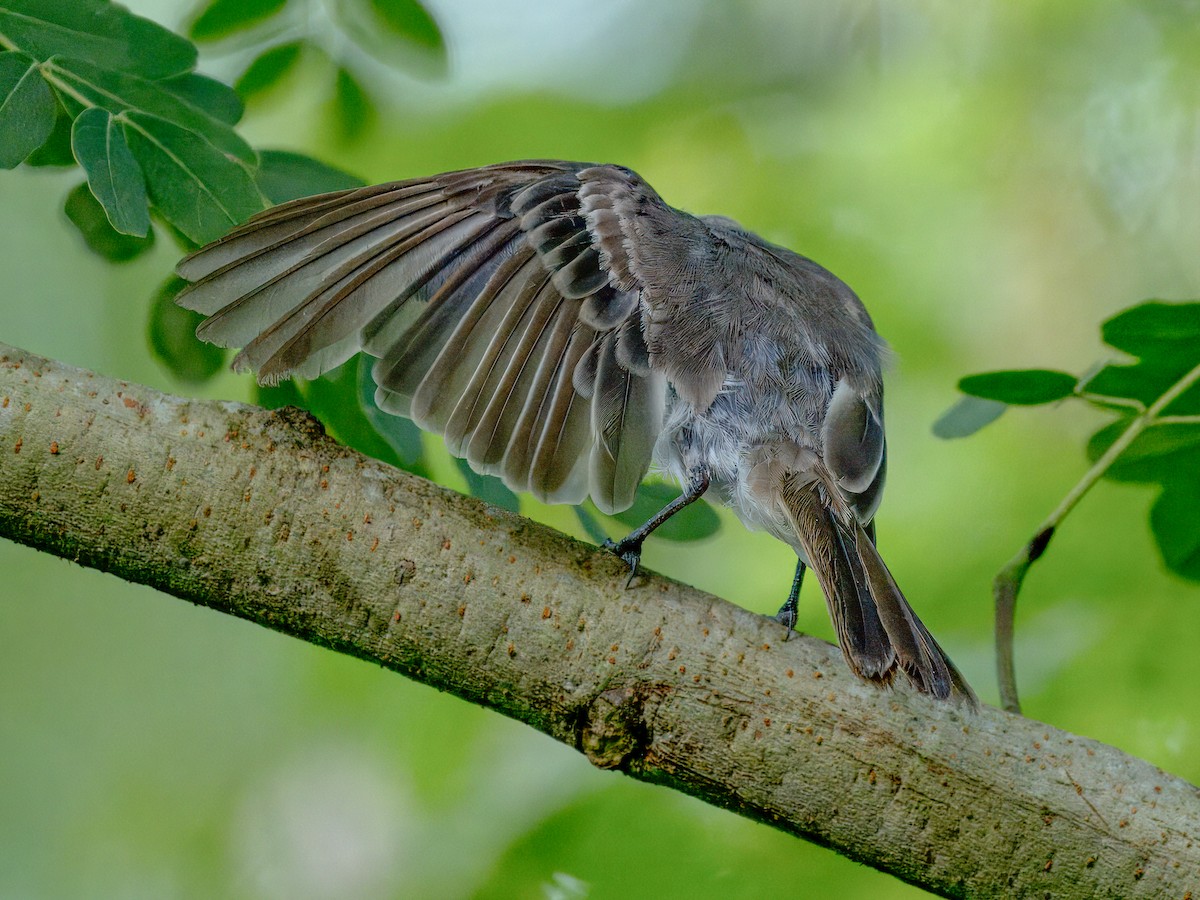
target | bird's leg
x=629, y=548
x=787, y=614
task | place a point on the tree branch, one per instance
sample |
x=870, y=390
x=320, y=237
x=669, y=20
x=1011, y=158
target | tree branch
x=258, y=514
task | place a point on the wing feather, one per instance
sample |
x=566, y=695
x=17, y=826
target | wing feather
x=626, y=418
x=501, y=315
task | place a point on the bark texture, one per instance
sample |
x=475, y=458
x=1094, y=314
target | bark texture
x=260, y=515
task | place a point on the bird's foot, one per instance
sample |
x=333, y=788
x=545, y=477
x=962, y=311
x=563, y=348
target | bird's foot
x=787, y=617
x=628, y=550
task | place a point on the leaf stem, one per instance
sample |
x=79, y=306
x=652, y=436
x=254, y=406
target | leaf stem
x=53, y=76
x=1107, y=400
x=1008, y=581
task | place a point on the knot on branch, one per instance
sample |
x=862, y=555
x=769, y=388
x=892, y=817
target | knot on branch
x=300, y=424
x=613, y=728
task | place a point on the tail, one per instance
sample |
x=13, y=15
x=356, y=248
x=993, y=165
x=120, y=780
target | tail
x=876, y=628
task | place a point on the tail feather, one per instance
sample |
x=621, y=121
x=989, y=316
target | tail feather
x=920, y=656
x=864, y=640
x=877, y=629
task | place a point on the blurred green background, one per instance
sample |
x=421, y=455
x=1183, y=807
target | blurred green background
x=992, y=178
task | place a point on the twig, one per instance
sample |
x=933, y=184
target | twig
x=1008, y=582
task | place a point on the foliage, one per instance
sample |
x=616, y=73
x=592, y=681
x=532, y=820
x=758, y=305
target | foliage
x=1156, y=400
x=91, y=83
x=148, y=131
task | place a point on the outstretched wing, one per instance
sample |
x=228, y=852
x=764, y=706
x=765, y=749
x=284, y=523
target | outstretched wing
x=503, y=304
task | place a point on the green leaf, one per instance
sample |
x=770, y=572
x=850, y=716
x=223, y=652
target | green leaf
x=197, y=188
x=1134, y=382
x=410, y=20
x=967, y=416
x=172, y=332
x=268, y=68
x=121, y=92
x=113, y=174
x=1158, y=454
x=222, y=18
x=352, y=105
x=488, y=488
x=284, y=176
x=105, y=33
x=699, y=520
x=213, y=97
x=401, y=434
x=1021, y=387
x=1167, y=338
x=1176, y=526
x=1155, y=327
x=85, y=213
x=27, y=108
x=56, y=150
x=1147, y=381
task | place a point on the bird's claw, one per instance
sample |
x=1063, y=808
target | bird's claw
x=787, y=617
x=630, y=552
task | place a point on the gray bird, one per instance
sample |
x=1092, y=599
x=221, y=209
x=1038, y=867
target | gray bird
x=564, y=329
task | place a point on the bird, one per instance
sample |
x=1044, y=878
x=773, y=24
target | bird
x=565, y=329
